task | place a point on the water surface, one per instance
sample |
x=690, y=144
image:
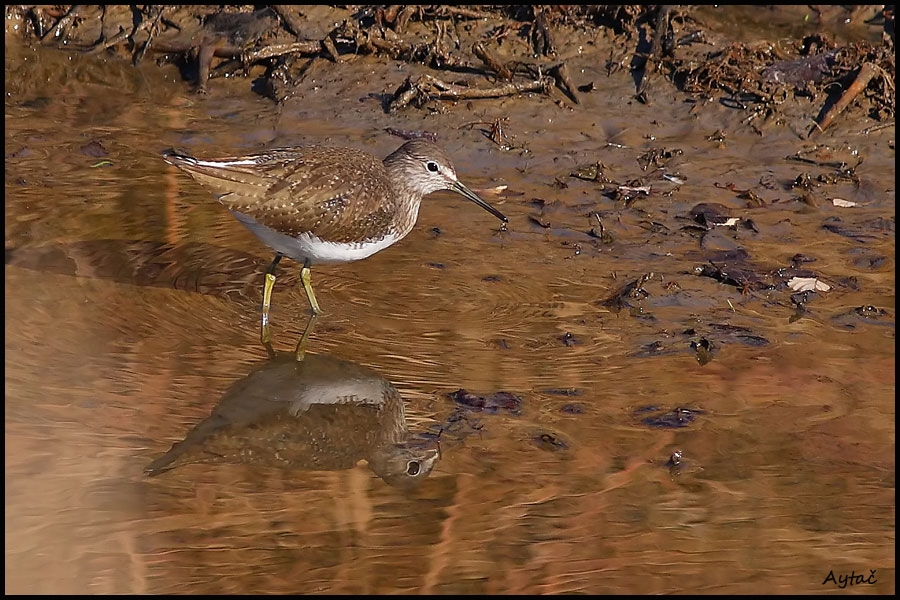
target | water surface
x=132, y=307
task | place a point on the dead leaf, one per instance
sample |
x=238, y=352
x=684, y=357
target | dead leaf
x=808, y=284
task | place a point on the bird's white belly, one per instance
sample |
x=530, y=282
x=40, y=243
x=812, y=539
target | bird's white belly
x=317, y=251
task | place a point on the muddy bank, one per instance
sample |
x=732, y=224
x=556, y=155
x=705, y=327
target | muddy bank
x=507, y=51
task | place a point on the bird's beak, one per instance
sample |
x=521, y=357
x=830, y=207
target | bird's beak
x=462, y=190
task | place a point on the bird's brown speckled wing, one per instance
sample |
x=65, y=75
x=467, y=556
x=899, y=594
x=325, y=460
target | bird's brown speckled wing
x=339, y=194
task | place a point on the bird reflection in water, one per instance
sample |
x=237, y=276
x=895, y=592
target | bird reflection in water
x=318, y=414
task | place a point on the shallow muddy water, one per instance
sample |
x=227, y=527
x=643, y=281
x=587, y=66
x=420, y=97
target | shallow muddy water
x=695, y=436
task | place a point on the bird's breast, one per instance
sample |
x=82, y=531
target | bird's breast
x=308, y=246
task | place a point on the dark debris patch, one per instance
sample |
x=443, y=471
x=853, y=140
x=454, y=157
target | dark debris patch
x=596, y=172
x=569, y=339
x=658, y=157
x=863, y=232
x=94, y=149
x=491, y=403
x=663, y=418
x=742, y=335
x=744, y=278
x=735, y=255
x=871, y=261
x=563, y=391
x=627, y=295
x=801, y=285
x=572, y=408
x=703, y=349
x=861, y=316
x=679, y=464
x=550, y=442
x=457, y=426
x=654, y=348
x=710, y=215
x=703, y=342
x=705, y=345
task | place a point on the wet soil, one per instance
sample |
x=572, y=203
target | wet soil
x=679, y=352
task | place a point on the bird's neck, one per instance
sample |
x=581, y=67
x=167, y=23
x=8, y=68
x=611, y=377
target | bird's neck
x=407, y=194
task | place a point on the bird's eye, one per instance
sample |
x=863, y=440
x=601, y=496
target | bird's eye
x=432, y=166
x=412, y=468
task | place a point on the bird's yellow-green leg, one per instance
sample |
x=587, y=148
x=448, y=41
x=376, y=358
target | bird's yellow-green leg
x=265, y=335
x=300, y=352
x=304, y=276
